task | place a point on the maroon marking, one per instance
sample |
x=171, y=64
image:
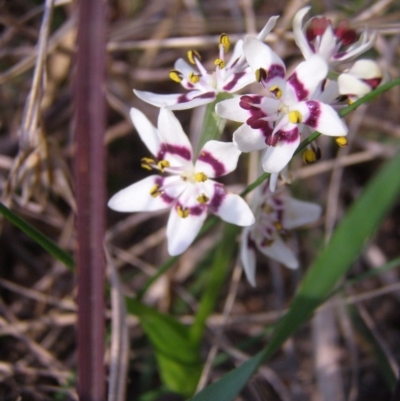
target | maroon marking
x=315, y=112
x=274, y=71
x=164, y=196
x=285, y=136
x=317, y=27
x=251, y=244
x=247, y=102
x=301, y=91
x=230, y=85
x=197, y=210
x=181, y=151
x=345, y=34
x=218, y=197
x=373, y=82
x=217, y=166
x=207, y=95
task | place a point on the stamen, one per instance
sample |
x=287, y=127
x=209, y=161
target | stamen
x=309, y=156
x=194, y=78
x=162, y=164
x=200, y=177
x=295, y=117
x=220, y=63
x=267, y=208
x=147, y=162
x=192, y=55
x=341, y=141
x=276, y=91
x=176, y=76
x=203, y=199
x=154, y=191
x=267, y=242
x=182, y=212
x=278, y=225
x=224, y=41
x=261, y=74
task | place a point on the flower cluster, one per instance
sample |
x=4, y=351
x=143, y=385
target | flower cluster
x=286, y=108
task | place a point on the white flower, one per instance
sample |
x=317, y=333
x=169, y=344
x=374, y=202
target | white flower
x=274, y=122
x=334, y=45
x=189, y=189
x=363, y=77
x=276, y=214
x=203, y=86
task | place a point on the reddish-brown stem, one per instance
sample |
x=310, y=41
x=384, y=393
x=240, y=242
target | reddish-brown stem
x=90, y=194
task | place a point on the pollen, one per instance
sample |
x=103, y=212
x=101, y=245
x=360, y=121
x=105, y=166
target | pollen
x=200, y=177
x=176, y=76
x=203, y=198
x=162, y=164
x=194, y=78
x=341, y=141
x=309, y=156
x=225, y=41
x=220, y=63
x=182, y=212
x=295, y=117
x=155, y=191
x=261, y=74
x=192, y=55
x=147, y=163
x=276, y=91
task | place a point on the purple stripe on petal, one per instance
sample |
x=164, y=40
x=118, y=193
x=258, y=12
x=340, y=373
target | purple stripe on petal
x=207, y=95
x=197, y=210
x=296, y=84
x=181, y=151
x=183, y=98
x=283, y=136
x=315, y=112
x=247, y=102
x=251, y=244
x=274, y=71
x=230, y=85
x=218, y=197
x=216, y=165
x=164, y=196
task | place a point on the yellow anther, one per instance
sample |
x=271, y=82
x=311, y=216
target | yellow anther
x=192, y=55
x=267, y=208
x=267, y=242
x=200, y=177
x=278, y=225
x=224, y=41
x=176, y=76
x=220, y=63
x=295, y=117
x=350, y=101
x=162, y=164
x=203, y=199
x=309, y=156
x=261, y=75
x=341, y=141
x=276, y=91
x=194, y=78
x=182, y=212
x=147, y=162
x=154, y=191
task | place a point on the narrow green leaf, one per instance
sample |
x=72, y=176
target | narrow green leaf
x=178, y=357
x=348, y=240
x=47, y=244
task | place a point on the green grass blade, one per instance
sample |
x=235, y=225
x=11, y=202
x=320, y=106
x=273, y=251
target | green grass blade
x=347, y=242
x=47, y=244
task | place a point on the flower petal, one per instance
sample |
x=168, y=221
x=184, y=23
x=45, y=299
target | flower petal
x=268, y=27
x=231, y=208
x=231, y=110
x=177, y=101
x=305, y=78
x=248, y=255
x=137, y=198
x=181, y=232
x=278, y=156
x=299, y=36
x=147, y=132
x=322, y=117
x=280, y=252
x=238, y=80
x=248, y=139
x=299, y=213
x=217, y=158
x=351, y=85
x=259, y=55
